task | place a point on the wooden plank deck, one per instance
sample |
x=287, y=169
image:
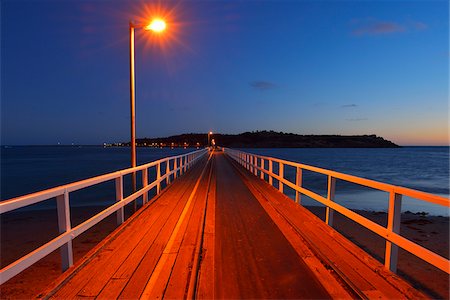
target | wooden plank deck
x=220, y=232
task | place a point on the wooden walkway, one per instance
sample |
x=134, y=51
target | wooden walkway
x=220, y=232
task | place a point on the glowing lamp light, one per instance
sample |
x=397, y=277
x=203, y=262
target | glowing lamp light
x=157, y=25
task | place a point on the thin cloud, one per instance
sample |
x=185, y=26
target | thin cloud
x=420, y=26
x=356, y=119
x=262, y=85
x=349, y=105
x=371, y=27
x=378, y=28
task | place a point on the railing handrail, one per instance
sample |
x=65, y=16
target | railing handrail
x=66, y=232
x=391, y=233
x=32, y=198
x=386, y=187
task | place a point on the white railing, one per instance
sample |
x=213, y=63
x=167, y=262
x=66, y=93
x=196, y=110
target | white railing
x=179, y=165
x=391, y=233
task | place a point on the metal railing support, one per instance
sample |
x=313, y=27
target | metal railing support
x=298, y=182
x=329, y=217
x=63, y=208
x=119, y=197
x=175, y=168
x=262, y=168
x=144, y=184
x=394, y=219
x=270, y=172
x=281, y=174
x=158, y=178
x=167, y=172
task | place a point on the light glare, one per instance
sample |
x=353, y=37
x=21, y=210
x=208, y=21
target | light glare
x=157, y=25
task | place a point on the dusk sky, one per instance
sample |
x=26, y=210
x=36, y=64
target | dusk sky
x=307, y=67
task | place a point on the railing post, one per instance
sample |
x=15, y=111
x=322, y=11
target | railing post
x=281, y=174
x=329, y=217
x=119, y=197
x=144, y=184
x=181, y=165
x=394, y=218
x=167, y=171
x=252, y=164
x=158, y=178
x=175, y=168
x=298, y=182
x=262, y=168
x=270, y=172
x=185, y=164
x=63, y=208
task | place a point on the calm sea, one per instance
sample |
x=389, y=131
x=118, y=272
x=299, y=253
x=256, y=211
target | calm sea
x=27, y=169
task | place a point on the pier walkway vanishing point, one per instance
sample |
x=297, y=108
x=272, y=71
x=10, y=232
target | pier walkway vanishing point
x=219, y=231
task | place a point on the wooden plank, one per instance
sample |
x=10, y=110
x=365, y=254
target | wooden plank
x=358, y=274
x=137, y=255
x=206, y=282
x=82, y=276
x=143, y=272
x=158, y=281
x=126, y=258
x=324, y=275
x=186, y=266
x=112, y=289
x=255, y=260
x=162, y=275
x=130, y=230
x=353, y=261
x=109, y=259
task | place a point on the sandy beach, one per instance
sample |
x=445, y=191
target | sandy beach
x=25, y=231
x=431, y=232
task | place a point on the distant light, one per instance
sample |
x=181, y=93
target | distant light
x=210, y=132
x=157, y=25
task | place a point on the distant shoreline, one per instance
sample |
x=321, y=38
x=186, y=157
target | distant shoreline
x=193, y=147
x=267, y=139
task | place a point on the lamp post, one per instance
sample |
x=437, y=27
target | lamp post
x=209, y=136
x=156, y=25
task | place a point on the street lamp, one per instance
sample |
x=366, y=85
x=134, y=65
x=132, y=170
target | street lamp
x=209, y=136
x=157, y=25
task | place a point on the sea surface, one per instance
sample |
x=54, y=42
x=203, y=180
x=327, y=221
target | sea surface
x=27, y=169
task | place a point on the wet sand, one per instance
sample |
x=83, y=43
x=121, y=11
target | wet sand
x=25, y=231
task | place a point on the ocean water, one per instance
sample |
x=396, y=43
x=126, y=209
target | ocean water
x=27, y=169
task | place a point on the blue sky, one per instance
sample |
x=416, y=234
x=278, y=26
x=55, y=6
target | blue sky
x=308, y=67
